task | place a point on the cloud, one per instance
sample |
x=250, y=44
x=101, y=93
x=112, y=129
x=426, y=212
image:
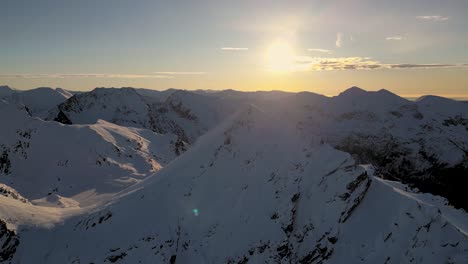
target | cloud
x=425, y=66
x=339, y=39
x=394, y=38
x=433, y=18
x=346, y=63
x=180, y=73
x=321, y=51
x=234, y=49
x=360, y=63
x=85, y=75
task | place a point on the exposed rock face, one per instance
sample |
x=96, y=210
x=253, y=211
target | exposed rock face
x=180, y=113
x=62, y=118
x=5, y=163
x=420, y=170
x=422, y=143
x=7, y=191
x=9, y=241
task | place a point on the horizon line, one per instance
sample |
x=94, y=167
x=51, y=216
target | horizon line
x=457, y=97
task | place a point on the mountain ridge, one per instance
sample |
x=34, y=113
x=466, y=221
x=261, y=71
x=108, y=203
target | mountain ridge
x=239, y=178
x=182, y=213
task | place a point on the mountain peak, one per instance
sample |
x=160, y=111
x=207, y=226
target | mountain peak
x=6, y=90
x=5, y=87
x=354, y=90
x=64, y=92
x=113, y=89
x=44, y=88
x=382, y=94
x=385, y=91
x=433, y=98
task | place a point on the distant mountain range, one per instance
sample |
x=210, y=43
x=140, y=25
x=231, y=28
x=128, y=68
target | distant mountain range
x=126, y=175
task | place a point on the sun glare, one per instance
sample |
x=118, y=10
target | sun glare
x=280, y=57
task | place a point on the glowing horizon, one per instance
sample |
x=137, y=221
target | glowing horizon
x=415, y=48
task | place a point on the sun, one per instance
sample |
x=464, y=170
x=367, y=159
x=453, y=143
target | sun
x=280, y=57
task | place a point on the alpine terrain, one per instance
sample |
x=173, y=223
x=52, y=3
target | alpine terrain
x=129, y=175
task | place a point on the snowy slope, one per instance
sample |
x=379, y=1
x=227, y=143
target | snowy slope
x=191, y=113
x=45, y=159
x=239, y=96
x=256, y=189
x=5, y=91
x=420, y=142
x=432, y=124
x=121, y=106
x=424, y=143
x=39, y=100
x=184, y=114
x=155, y=95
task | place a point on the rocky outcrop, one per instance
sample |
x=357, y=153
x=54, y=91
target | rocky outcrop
x=7, y=191
x=422, y=170
x=5, y=163
x=62, y=118
x=9, y=241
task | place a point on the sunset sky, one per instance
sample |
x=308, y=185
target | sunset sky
x=410, y=47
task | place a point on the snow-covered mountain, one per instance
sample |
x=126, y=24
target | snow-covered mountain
x=414, y=142
x=184, y=114
x=419, y=142
x=41, y=159
x=37, y=101
x=5, y=91
x=423, y=143
x=234, y=177
x=254, y=190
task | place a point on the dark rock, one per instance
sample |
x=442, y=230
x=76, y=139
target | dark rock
x=62, y=118
x=8, y=242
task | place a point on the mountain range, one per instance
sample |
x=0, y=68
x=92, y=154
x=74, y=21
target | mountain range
x=129, y=175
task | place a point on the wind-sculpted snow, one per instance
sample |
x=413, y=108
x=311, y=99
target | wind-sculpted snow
x=256, y=189
x=42, y=159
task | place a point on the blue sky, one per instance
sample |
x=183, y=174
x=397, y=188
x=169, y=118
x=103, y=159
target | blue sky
x=410, y=47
